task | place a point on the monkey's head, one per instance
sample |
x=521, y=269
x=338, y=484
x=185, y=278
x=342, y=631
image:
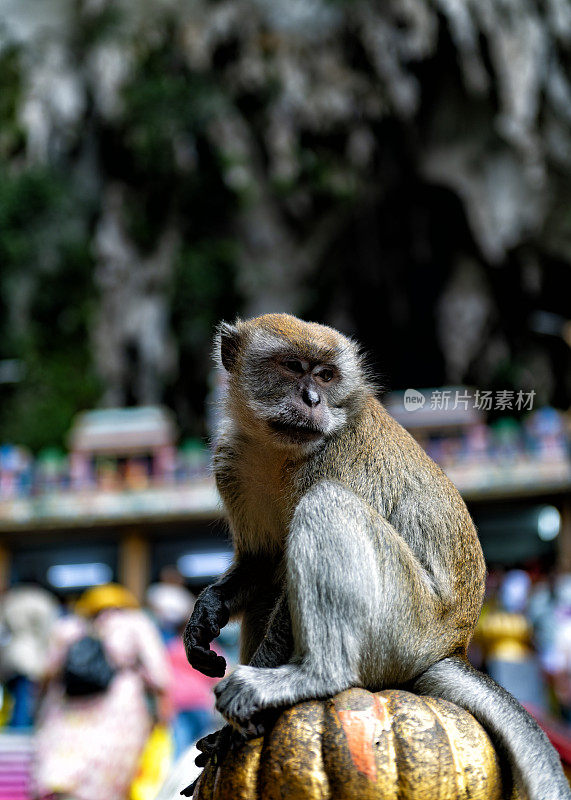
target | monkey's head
x=292, y=383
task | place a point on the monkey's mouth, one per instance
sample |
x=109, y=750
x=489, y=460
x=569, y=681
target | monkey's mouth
x=299, y=433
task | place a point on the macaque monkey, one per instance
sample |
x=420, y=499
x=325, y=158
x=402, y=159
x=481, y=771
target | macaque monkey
x=356, y=561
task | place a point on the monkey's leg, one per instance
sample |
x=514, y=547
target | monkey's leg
x=254, y=623
x=353, y=588
x=275, y=649
x=276, y=646
x=535, y=764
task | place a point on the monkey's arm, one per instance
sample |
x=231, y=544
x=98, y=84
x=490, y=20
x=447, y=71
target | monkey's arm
x=214, y=607
x=275, y=648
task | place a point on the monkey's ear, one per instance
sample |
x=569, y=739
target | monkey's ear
x=229, y=337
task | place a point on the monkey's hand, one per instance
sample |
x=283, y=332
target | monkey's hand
x=210, y=614
x=216, y=745
x=213, y=749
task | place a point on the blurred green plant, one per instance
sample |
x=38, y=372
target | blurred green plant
x=45, y=302
x=203, y=294
x=11, y=133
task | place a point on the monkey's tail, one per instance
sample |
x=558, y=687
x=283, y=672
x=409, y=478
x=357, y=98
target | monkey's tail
x=535, y=765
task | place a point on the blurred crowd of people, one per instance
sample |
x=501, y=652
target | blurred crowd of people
x=104, y=687
x=523, y=639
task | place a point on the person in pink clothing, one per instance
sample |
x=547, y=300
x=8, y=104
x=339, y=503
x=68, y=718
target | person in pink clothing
x=88, y=747
x=190, y=697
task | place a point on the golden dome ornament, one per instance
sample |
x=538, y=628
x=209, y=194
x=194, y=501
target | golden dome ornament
x=505, y=635
x=361, y=745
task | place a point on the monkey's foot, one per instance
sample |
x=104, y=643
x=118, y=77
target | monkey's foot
x=240, y=700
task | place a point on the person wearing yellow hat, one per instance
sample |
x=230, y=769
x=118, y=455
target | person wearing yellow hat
x=104, y=663
x=109, y=595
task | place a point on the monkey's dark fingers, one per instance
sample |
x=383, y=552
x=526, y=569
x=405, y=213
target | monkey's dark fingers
x=210, y=614
x=217, y=756
x=199, y=636
x=197, y=640
x=202, y=760
x=208, y=742
x=204, y=634
x=207, y=661
x=207, y=745
x=216, y=745
x=189, y=791
x=262, y=722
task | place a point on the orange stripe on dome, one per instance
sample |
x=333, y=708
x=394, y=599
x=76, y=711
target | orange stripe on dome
x=362, y=729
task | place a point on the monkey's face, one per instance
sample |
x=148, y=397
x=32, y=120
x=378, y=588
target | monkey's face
x=293, y=397
x=291, y=382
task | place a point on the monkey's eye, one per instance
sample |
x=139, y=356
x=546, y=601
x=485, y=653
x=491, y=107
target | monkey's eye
x=326, y=374
x=293, y=365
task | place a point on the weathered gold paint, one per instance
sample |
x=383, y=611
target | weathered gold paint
x=292, y=764
x=239, y=778
x=363, y=746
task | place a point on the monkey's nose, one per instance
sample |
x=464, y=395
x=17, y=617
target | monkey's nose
x=310, y=396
